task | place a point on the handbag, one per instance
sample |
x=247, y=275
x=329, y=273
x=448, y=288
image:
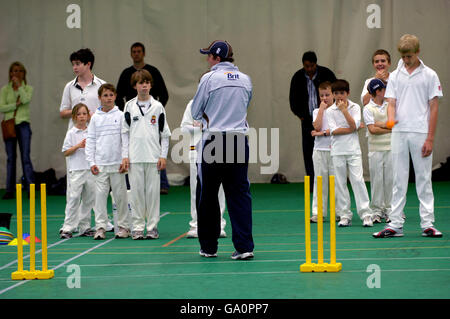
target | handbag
x=8, y=128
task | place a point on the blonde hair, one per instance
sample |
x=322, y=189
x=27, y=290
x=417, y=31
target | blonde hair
x=22, y=67
x=408, y=43
x=75, y=110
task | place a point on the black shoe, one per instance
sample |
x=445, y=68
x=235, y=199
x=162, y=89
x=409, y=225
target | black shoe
x=9, y=195
x=164, y=191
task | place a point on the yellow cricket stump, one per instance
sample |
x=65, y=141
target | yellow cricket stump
x=320, y=266
x=33, y=273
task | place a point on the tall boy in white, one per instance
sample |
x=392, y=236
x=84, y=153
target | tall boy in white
x=344, y=118
x=106, y=148
x=146, y=125
x=193, y=127
x=380, y=157
x=323, y=165
x=413, y=91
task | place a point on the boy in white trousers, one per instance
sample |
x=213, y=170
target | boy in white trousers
x=323, y=166
x=81, y=193
x=189, y=125
x=106, y=149
x=344, y=119
x=413, y=91
x=380, y=157
x=146, y=126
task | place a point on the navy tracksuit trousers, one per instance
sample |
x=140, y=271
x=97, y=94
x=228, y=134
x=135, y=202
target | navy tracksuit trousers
x=224, y=162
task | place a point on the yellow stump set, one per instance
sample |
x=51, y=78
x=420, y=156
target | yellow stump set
x=45, y=273
x=320, y=266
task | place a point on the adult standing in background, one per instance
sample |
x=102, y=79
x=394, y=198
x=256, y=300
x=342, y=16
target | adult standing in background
x=304, y=98
x=126, y=92
x=15, y=100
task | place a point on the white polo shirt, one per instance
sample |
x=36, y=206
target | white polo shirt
x=413, y=93
x=347, y=144
x=322, y=143
x=77, y=161
x=74, y=94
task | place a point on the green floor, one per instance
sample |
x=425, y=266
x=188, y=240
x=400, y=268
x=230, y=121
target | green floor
x=411, y=266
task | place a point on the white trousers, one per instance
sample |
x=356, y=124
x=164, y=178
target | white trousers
x=403, y=144
x=323, y=166
x=350, y=166
x=193, y=184
x=80, y=199
x=144, y=195
x=103, y=182
x=381, y=179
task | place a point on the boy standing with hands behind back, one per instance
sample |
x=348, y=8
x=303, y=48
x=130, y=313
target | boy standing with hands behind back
x=413, y=91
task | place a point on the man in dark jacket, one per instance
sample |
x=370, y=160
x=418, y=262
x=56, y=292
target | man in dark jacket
x=304, y=98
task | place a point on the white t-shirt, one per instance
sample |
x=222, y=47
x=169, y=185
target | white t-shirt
x=322, y=143
x=73, y=94
x=347, y=144
x=413, y=93
x=77, y=161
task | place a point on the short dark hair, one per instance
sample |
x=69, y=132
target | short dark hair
x=138, y=45
x=83, y=55
x=340, y=85
x=382, y=52
x=309, y=56
x=141, y=76
x=106, y=86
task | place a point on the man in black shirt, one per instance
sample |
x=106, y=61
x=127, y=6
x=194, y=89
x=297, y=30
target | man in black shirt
x=126, y=92
x=304, y=98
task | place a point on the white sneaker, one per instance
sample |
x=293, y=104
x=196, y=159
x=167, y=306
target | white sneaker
x=123, y=233
x=431, y=232
x=192, y=233
x=109, y=226
x=345, y=222
x=100, y=234
x=223, y=234
x=367, y=221
x=313, y=219
x=376, y=220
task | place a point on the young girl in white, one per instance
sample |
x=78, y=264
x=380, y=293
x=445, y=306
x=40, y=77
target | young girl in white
x=82, y=189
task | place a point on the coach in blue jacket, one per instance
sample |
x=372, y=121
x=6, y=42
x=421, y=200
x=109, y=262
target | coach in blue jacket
x=221, y=103
x=304, y=98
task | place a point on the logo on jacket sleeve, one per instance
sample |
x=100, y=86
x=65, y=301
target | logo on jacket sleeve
x=153, y=120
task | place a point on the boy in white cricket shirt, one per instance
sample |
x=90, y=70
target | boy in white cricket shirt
x=106, y=149
x=146, y=125
x=344, y=118
x=189, y=125
x=413, y=93
x=323, y=166
x=380, y=157
x=81, y=194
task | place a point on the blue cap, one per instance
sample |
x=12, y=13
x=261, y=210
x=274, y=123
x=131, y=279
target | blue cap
x=374, y=85
x=220, y=48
